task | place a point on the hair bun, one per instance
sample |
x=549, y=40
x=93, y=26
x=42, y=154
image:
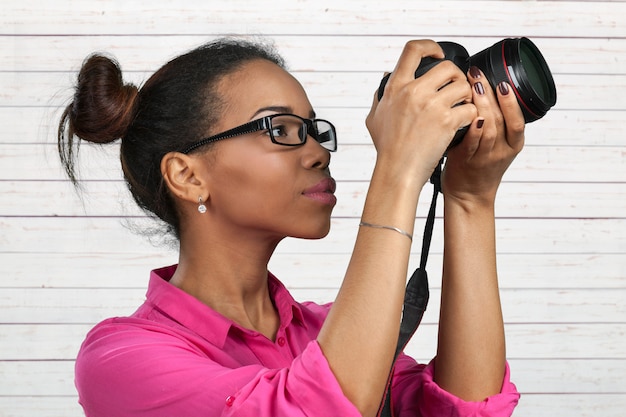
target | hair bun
x=103, y=106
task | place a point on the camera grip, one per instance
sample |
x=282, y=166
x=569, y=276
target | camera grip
x=452, y=51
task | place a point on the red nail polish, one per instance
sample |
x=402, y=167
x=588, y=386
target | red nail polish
x=504, y=88
x=480, y=123
x=478, y=87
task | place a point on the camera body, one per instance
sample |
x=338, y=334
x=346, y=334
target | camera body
x=517, y=61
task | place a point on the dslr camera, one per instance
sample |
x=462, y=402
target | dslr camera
x=517, y=61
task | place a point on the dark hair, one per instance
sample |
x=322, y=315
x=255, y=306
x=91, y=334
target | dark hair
x=176, y=106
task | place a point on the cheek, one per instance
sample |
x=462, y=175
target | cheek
x=254, y=186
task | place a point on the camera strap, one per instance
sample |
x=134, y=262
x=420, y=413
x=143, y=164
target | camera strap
x=416, y=295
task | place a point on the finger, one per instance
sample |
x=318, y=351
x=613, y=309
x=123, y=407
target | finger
x=472, y=140
x=445, y=76
x=372, y=112
x=482, y=94
x=381, y=86
x=487, y=106
x=513, y=116
x=411, y=56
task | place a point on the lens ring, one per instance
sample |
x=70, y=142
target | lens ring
x=537, y=71
x=535, y=84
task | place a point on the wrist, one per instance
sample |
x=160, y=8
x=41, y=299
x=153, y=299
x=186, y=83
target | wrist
x=400, y=175
x=470, y=203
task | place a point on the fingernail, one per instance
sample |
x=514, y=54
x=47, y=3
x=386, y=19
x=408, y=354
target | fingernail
x=480, y=123
x=504, y=88
x=478, y=87
x=474, y=72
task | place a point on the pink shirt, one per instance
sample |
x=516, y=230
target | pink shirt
x=175, y=357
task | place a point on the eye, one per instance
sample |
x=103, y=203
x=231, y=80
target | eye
x=279, y=131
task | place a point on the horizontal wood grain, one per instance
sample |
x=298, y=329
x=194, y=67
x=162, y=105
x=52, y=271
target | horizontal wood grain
x=82, y=305
x=564, y=376
x=325, y=89
x=106, y=235
x=348, y=17
x=303, y=53
x=515, y=200
x=531, y=405
x=582, y=128
x=540, y=341
x=572, y=405
x=349, y=163
x=547, y=271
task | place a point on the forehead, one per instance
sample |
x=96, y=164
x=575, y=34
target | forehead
x=262, y=84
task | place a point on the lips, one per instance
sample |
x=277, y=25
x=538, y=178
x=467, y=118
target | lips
x=327, y=185
x=323, y=191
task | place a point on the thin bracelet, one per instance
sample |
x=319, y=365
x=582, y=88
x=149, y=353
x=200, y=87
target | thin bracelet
x=395, y=229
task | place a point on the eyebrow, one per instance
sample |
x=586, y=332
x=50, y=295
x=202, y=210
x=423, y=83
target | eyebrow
x=279, y=109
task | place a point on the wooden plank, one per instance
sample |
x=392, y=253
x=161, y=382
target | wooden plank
x=539, y=341
x=589, y=128
x=325, y=89
x=107, y=235
x=546, y=271
x=84, y=306
x=570, y=376
x=302, y=53
x=515, y=200
x=569, y=164
x=41, y=406
x=531, y=405
x=26, y=342
x=571, y=405
x=567, y=376
x=81, y=306
x=543, y=18
x=37, y=378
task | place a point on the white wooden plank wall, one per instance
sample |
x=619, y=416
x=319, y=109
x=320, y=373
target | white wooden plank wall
x=69, y=263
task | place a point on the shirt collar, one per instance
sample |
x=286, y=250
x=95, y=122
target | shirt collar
x=196, y=316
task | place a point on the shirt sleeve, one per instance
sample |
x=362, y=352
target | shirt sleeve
x=415, y=393
x=139, y=373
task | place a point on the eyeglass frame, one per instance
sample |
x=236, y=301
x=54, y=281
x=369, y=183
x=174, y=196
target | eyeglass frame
x=265, y=123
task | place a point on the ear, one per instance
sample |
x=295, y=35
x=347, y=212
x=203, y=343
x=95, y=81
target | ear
x=183, y=176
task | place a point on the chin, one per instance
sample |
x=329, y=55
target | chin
x=313, y=235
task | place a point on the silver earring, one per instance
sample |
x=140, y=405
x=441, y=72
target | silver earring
x=201, y=206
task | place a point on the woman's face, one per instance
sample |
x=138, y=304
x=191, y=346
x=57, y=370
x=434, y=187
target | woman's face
x=256, y=186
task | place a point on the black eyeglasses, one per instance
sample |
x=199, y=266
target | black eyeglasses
x=283, y=129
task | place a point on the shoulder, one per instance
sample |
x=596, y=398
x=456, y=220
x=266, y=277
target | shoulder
x=121, y=343
x=127, y=363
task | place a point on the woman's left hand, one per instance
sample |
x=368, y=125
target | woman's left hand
x=474, y=168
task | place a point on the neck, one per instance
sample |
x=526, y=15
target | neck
x=231, y=277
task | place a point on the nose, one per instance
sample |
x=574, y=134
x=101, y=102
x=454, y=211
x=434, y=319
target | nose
x=315, y=156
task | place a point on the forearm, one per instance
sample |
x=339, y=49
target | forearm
x=471, y=349
x=361, y=331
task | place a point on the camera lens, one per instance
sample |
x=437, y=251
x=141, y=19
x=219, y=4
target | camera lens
x=520, y=63
x=536, y=70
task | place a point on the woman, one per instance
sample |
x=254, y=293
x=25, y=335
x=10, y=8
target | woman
x=222, y=145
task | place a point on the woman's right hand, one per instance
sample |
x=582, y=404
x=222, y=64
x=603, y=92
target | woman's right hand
x=414, y=122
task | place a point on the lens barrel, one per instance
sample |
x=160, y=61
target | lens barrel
x=520, y=63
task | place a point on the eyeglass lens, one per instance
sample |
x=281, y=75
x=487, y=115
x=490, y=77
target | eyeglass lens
x=325, y=135
x=291, y=130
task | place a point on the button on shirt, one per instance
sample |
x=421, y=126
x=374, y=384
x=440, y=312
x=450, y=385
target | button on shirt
x=175, y=356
